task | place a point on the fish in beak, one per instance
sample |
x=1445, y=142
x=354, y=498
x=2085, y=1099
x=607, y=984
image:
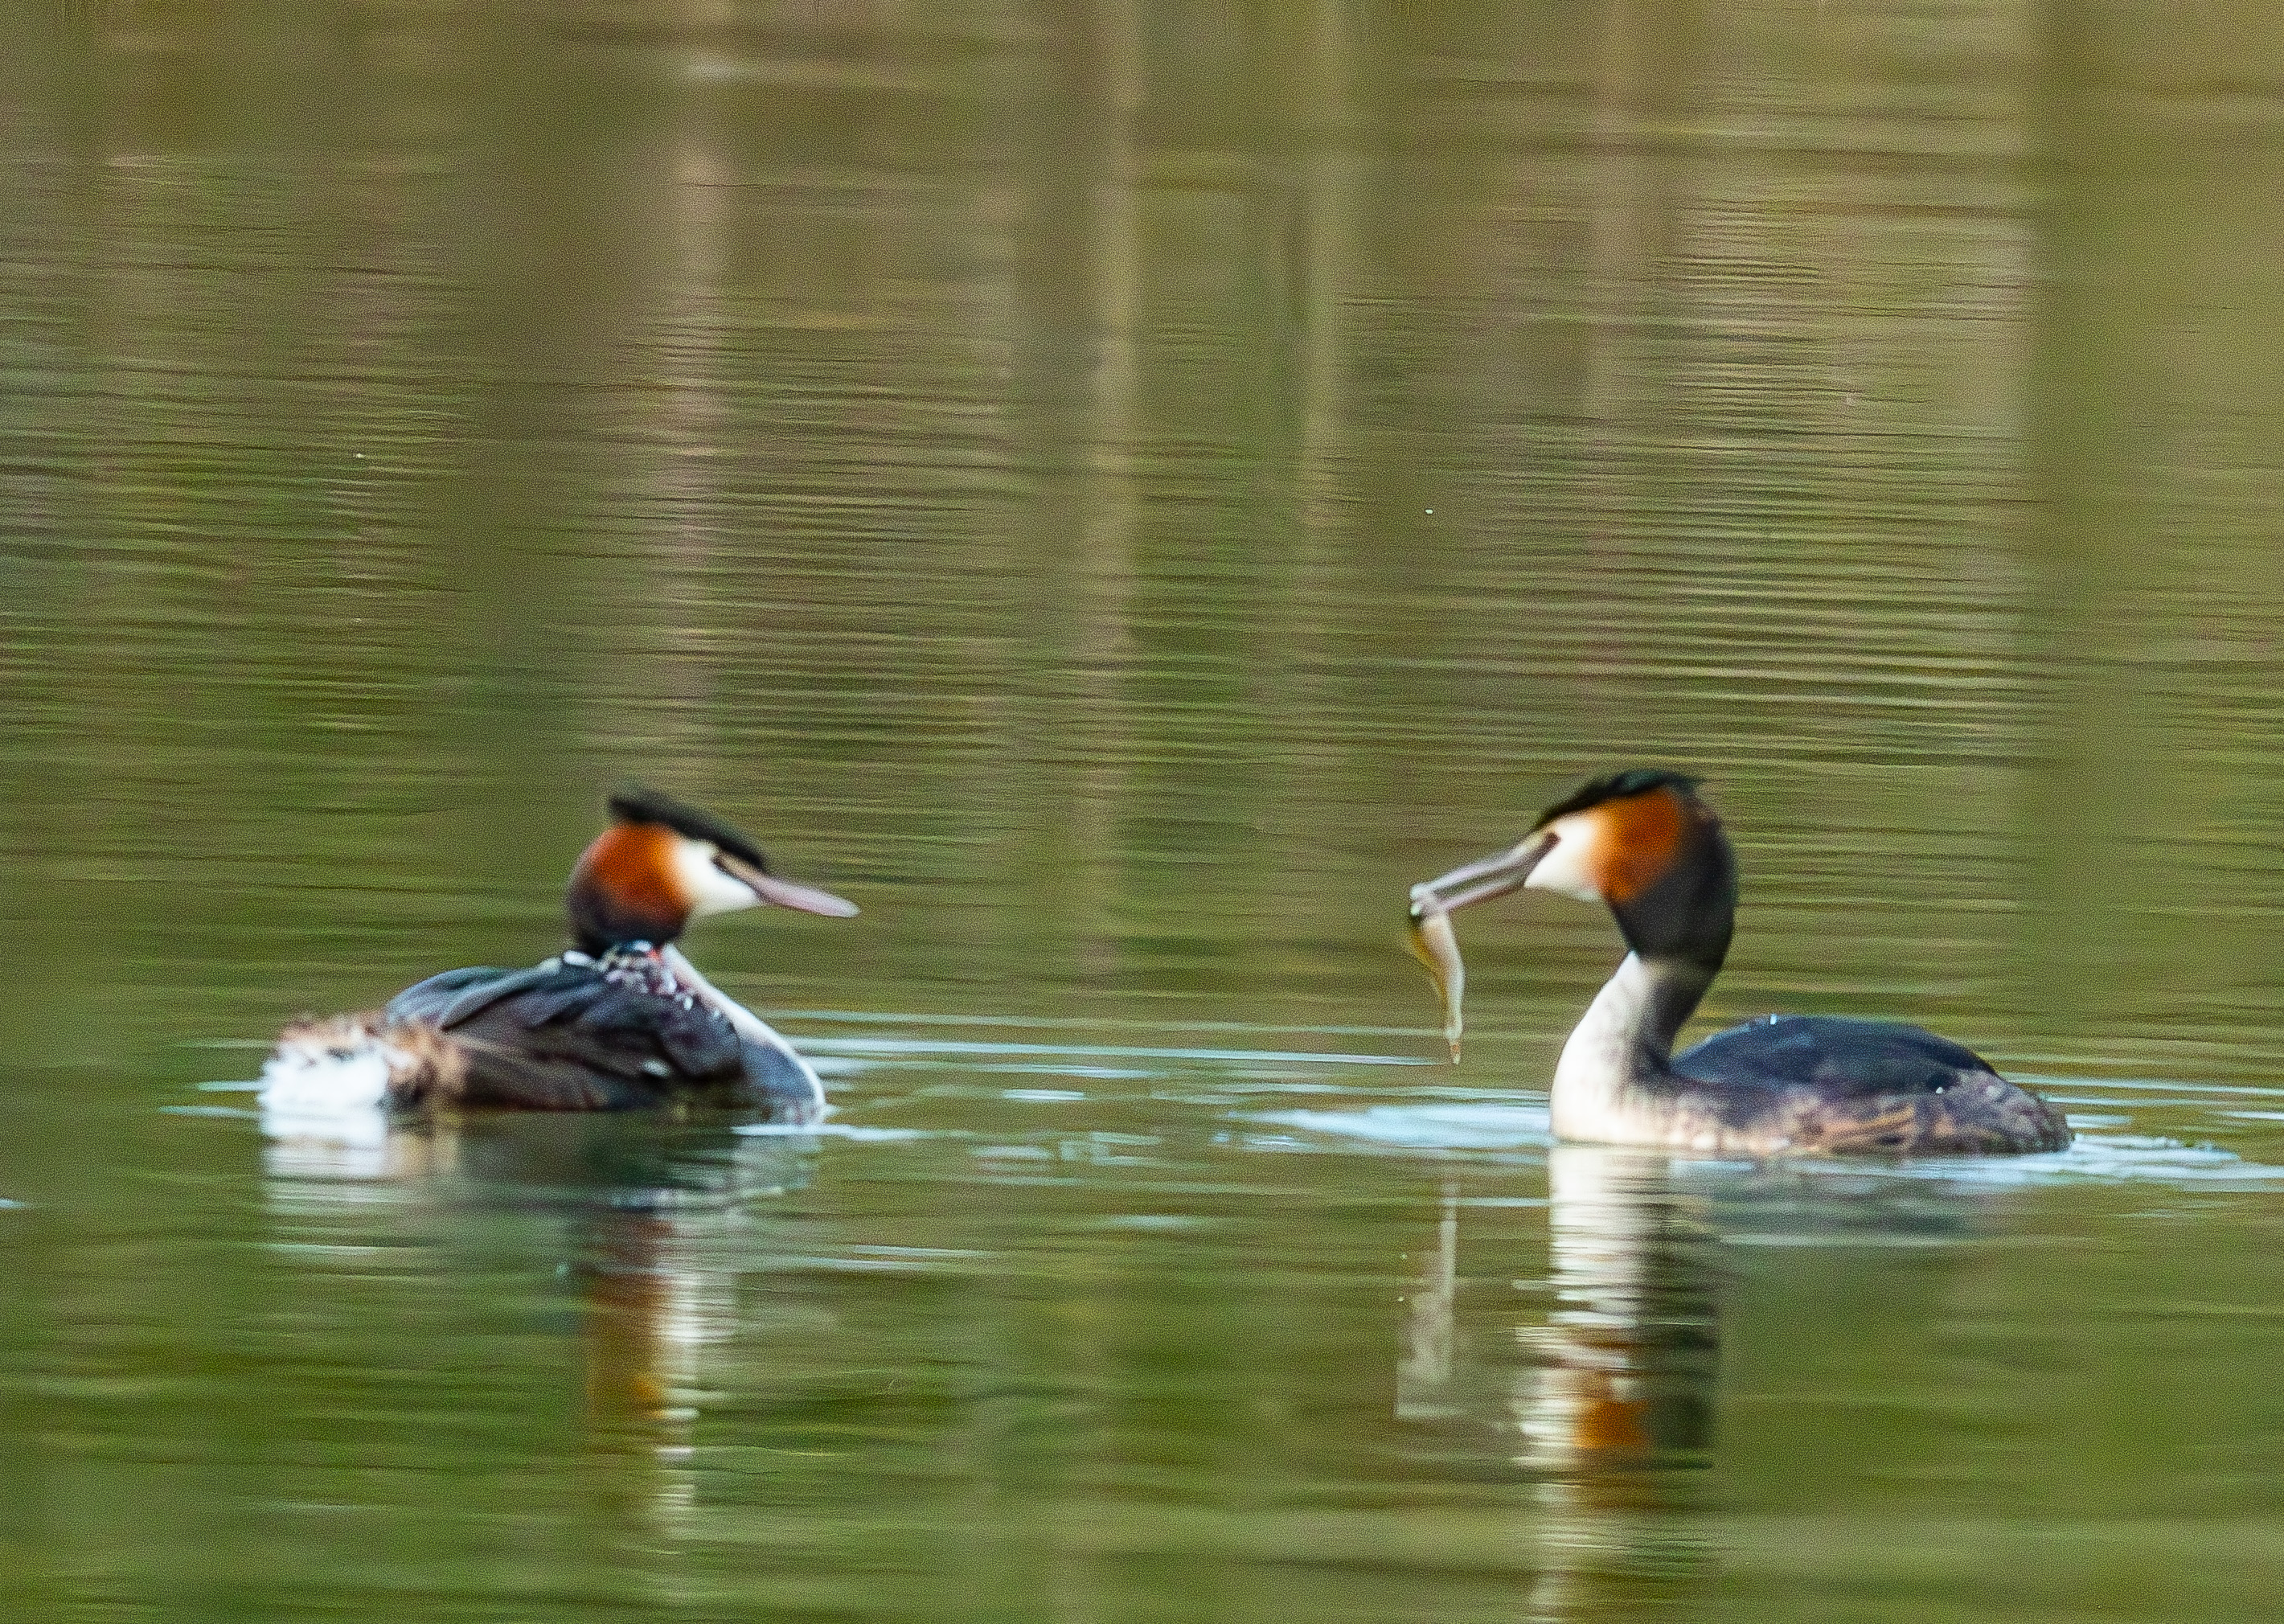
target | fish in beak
x=1433, y=941
x=1433, y=945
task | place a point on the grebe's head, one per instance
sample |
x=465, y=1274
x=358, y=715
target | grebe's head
x=1641, y=841
x=662, y=864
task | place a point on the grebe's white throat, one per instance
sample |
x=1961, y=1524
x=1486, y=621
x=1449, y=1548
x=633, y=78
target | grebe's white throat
x=1619, y=1060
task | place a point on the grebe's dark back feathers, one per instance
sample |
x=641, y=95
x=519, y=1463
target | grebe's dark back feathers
x=566, y=1036
x=1835, y=1084
x=446, y=1000
x=1838, y=1054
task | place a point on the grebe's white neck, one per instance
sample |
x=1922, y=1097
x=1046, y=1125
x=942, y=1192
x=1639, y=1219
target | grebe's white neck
x=1624, y=1046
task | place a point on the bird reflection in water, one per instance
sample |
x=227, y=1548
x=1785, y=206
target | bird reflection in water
x=1628, y=1360
x=1608, y=1403
x=658, y=1221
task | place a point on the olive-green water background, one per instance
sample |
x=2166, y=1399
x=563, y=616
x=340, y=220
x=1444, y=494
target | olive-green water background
x=1120, y=490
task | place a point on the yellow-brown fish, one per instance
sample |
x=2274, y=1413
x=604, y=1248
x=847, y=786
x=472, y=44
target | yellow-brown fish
x=1433, y=945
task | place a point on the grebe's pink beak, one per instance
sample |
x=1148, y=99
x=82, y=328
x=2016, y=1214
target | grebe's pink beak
x=786, y=892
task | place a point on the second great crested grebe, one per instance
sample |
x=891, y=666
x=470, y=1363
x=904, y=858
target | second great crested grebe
x=620, y=1019
x=1644, y=843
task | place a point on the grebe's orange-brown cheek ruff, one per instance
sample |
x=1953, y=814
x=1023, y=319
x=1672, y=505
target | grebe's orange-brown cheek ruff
x=620, y=1019
x=1644, y=843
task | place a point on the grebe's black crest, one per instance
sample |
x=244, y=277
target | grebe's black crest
x=1618, y=786
x=637, y=803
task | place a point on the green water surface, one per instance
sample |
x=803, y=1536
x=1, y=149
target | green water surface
x=1119, y=491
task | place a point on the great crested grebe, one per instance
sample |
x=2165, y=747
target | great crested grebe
x=1644, y=843
x=618, y=1020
